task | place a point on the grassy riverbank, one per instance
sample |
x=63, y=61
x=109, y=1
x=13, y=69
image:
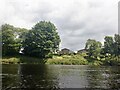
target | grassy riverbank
x=61, y=60
x=78, y=59
x=67, y=60
x=20, y=59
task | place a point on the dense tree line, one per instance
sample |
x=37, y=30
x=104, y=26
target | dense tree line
x=41, y=41
x=108, y=53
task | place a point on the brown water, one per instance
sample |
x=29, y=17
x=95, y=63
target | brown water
x=53, y=77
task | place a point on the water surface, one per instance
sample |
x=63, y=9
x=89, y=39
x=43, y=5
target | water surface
x=29, y=76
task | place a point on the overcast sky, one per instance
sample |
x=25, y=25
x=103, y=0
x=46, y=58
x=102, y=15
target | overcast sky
x=76, y=20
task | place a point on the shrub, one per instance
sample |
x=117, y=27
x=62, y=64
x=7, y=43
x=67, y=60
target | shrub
x=68, y=60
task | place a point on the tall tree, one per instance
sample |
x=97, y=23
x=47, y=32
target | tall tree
x=116, y=44
x=11, y=41
x=7, y=39
x=109, y=45
x=42, y=40
x=112, y=49
x=93, y=47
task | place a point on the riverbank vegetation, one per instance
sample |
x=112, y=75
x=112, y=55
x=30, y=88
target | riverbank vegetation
x=41, y=45
x=67, y=60
x=20, y=59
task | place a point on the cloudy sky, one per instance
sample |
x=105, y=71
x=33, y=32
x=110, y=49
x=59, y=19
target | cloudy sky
x=76, y=20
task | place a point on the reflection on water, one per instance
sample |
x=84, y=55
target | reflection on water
x=30, y=76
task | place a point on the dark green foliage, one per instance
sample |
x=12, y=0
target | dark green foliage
x=112, y=45
x=7, y=38
x=108, y=54
x=11, y=41
x=117, y=44
x=109, y=45
x=94, y=48
x=112, y=50
x=42, y=40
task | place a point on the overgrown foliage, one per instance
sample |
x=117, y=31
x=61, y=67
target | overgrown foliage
x=42, y=40
x=94, y=48
x=108, y=54
x=68, y=60
x=11, y=39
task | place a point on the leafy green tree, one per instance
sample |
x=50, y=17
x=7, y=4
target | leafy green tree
x=11, y=41
x=116, y=44
x=94, y=48
x=42, y=40
x=7, y=39
x=109, y=45
x=112, y=50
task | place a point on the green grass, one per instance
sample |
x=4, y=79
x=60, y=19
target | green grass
x=19, y=59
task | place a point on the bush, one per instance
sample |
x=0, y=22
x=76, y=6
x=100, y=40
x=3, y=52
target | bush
x=68, y=60
x=113, y=60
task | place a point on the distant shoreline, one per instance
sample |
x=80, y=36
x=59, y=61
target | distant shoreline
x=56, y=60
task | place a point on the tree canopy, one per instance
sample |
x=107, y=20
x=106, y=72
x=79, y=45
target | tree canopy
x=112, y=45
x=93, y=47
x=108, y=53
x=11, y=40
x=41, y=40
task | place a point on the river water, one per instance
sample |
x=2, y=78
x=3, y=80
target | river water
x=54, y=77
